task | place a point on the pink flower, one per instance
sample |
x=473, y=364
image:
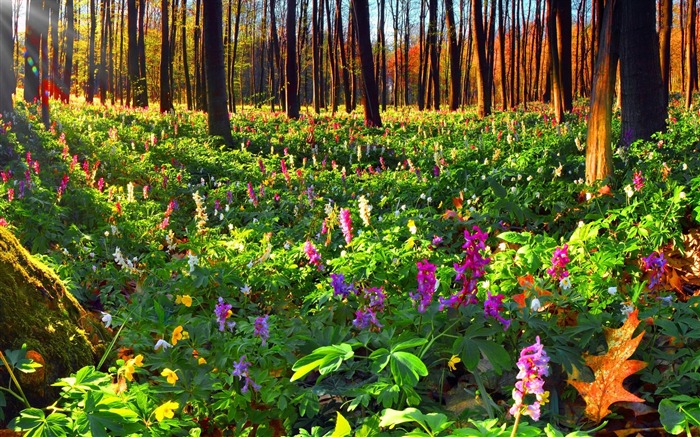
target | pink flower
x=346, y=224
x=638, y=180
x=559, y=261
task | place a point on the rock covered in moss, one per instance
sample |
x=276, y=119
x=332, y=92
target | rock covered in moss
x=36, y=309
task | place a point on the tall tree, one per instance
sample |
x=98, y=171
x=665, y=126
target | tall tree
x=340, y=47
x=483, y=82
x=432, y=38
x=691, y=53
x=185, y=64
x=371, y=97
x=166, y=98
x=132, y=56
x=455, y=52
x=316, y=44
x=563, y=19
x=643, y=110
x=141, y=94
x=7, y=74
x=32, y=44
x=217, y=113
x=291, y=62
x=665, y=24
x=90, y=91
x=599, y=164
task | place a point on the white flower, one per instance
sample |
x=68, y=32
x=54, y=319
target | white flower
x=287, y=246
x=627, y=309
x=192, y=261
x=612, y=291
x=629, y=191
x=535, y=305
x=245, y=289
x=162, y=344
x=106, y=319
x=557, y=170
x=565, y=283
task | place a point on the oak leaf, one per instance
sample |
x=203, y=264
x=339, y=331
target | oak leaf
x=610, y=370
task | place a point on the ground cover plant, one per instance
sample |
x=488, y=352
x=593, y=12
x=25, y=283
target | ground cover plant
x=440, y=275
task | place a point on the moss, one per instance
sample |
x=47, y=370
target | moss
x=36, y=309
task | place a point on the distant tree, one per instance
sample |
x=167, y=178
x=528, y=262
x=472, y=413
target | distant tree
x=7, y=74
x=141, y=95
x=665, y=24
x=132, y=56
x=691, y=54
x=69, y=41
x=455, y=53
x=643, y=109
x=32, y=45
x=166, y=98
x=483, y=75
x=291, y=73
x=370, y=94
x=217, y=114
x=90, y=91
x=185, y=64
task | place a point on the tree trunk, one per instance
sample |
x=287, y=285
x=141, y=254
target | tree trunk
x=434, y=78
x=315, y=56
x=102, y=68
x=371, y=100
x=166, y=98
x=554, y=62
x=502, y=55
x=142, y=89
x=54, y=73
x=563, y=11
x=599, y=163
x=69, y=41
x=217, y=113
x=291, y=76
x=90, y=91
x=691, y=48
x=483, y=86
x=7, y=74
x=454, y=51
x=185, y=64
x=665, y=21
x=643, y=110
x=44, y=88
x=133, y=58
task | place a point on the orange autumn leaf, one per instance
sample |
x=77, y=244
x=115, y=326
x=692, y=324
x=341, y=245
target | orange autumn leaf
x=610, y=370
x=457, y=202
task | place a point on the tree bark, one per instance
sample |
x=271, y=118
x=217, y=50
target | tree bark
x=665, y=21
x=7, y=74
x=483, y=85
x=643, y=110
x=691, y=48
x=371, y=100
x=142, y=88
x=217, y=113
x=70, y=39
x=291, y=76
x=166, y=98
x=454, y=51
x=185, y=64
x=90, y=91
x=563, y=11
x=599, y=164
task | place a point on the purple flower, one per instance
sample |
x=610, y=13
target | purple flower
x=493, y=305
x=240, y=370
x=366, y=315
x=312, y=254
x=436, y=240
x=364, y=318
x=222, y=313
x=427, y=283
x=473, y=263
x=560, y=259
x=261, y=165
x=656, y=264
x=346, y=224
x=533, y=365
x=262, y=328
x=340, y=288
x=251, y=194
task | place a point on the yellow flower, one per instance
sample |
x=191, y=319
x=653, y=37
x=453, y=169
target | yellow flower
x=167, y=410
x=412, y=227
x=184, y=299
x=452, y=363
x=131, y=365
x=170, y=375
x=544, y=397
x=179, y=334
x=201, y=360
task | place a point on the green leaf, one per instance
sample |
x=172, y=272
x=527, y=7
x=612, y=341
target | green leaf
x=498, y=189
x=327, y=358
x=406, y=368
x=495, y=353
x=380, y=359
x=391, y=417
x=672, y=419
x=342, y=426
x=415, y=342
x=515, y=237
x=552, y=431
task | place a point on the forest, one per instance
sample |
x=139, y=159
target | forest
x=327, y=219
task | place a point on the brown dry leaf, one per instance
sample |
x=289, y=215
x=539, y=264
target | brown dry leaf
x=610, y=370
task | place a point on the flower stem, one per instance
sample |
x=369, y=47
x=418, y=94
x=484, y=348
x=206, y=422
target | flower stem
x=515, y=425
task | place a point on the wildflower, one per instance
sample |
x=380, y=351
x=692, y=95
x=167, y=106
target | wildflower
x=565, y=283
x=201, y=361
x=533, y=365
x=452, y=363
x=183, y=299
x=170, y=375
x=106, y=319
x=535, y=305
x=245, y=290
x=200, y=212
x=493, y=306
x=10, y=194
x=340, y=288
x=474, y=263
x=161, y=343
x=178, y=334
x=131, y=365
x=427, y=284
x=629, y=191
x=612, y=291
x=412, y=227
x=626, y=309
x=346, y=224
x=240, y=370
x=312, y=254
x=365, y=209
x=559, y=261
x=166, y=411
x=3, y=222
x=656, y=263
x=251, y=195
x=436, y=241
x=366, y=315
x=638, y=180
x=192, y=261
x=222, y=311
x=262, y=328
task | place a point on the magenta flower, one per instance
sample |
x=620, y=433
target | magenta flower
x=427, y=283
x=312, y=254
x=251, y=194
x=656, y=264
x=560, y=259
x=533, y=365
x=470, y=270
x=346, y=224
x=10, y=194
x=262, y=328
x=493, y=306
x=638, y=180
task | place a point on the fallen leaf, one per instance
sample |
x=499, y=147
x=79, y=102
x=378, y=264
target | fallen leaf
x=610, y=370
